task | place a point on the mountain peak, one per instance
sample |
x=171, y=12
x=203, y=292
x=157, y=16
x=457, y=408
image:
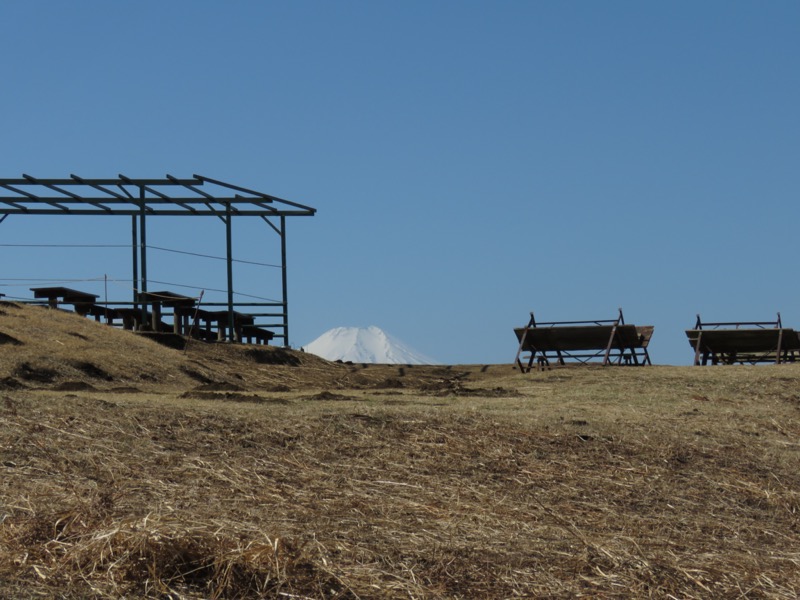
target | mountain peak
x=365, y=345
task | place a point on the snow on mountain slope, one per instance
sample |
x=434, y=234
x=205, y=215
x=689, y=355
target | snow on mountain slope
x=365, y=345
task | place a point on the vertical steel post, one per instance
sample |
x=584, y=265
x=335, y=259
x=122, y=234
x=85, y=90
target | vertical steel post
x=135, y=251
x=284, y=284
x=229, y=256
x=143, y=253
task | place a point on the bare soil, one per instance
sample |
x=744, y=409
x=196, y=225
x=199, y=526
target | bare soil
x=131, y=469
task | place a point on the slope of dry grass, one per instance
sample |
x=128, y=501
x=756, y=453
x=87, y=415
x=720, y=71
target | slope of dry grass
x=308, y=479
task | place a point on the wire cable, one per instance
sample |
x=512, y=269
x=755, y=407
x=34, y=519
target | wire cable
x=65, y=245
x=161, y=248
x=236, y=260
x=123, y=282
x=34, y=281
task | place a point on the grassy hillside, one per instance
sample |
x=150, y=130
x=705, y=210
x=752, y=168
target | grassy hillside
x=131, y=469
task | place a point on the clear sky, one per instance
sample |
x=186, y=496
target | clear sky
x=469, y=161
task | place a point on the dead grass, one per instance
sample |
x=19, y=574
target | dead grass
x=321, y=480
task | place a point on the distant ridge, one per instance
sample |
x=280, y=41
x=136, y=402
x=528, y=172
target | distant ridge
x=365, y=345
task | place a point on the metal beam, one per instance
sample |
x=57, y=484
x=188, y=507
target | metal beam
x=238, y=188
x=284, y=284
x=6, y=184
x=135, y=248
x=271, y=224
x=143, y=252
x=229, y=256
x=55, y=188
x=21, y=209
x=104, y=181
x=96, y=186
x=160, y=199
x=259, y=194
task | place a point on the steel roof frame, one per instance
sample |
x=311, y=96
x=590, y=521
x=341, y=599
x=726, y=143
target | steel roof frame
x=142, y=198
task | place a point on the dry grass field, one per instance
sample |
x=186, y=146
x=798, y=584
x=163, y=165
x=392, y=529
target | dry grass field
x=129, y=469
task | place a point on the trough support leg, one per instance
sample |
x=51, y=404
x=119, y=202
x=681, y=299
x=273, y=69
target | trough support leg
x=697, y=350
x=519, y=352
x=610, y=342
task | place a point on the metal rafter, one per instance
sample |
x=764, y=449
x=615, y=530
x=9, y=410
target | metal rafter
x=170, y=196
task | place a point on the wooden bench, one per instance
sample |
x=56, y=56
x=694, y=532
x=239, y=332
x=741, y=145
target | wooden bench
x=63, y=295
x=99, y=311
x=182, y=308
x=253, y=334
x=743, y=342
x=132, y=320
x=220, y=320
x=582, y=341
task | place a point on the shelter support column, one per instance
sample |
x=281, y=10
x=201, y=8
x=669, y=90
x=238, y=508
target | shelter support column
x=229, y=259
x=284, y=284
x=135, y=252
x=143, y=253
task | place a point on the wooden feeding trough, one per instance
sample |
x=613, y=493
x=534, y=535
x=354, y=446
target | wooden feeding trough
x=743, y=342
x=610, y=340
x=82, y=301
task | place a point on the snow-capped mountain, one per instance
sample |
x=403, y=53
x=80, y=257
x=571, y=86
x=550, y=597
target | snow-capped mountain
x=365, y=345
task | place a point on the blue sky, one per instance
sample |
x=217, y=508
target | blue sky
x=469, y=161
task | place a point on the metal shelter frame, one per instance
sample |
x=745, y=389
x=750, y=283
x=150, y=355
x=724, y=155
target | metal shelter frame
x=139, y=199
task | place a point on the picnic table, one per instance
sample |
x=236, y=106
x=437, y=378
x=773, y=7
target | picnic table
x=215, y=324
x=182, y=309
x=221, y=320
x=98, y=311
x=63, y=295
x=743, y=342
x=131, y=318
x=253, y=334
x=582, y=341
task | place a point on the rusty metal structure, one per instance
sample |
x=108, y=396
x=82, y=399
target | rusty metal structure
x=610, y=340
x=743, y=342
x=143, y=199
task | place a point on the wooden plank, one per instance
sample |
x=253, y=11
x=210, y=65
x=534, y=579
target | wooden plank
x=67, y=295
x=725, y=341
x=169, y=299
x=645, y=333
x=253, y=332
x=579, y=338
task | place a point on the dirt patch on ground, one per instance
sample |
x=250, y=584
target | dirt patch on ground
x=219, y=387
x=233, y=397
x=7, y=339
x=327, y=396
x=92, y=371
x=273, y=356
x=197, y=375
x=9, y=383
x=391, y=383
x=74, y=386
x=32, y=373
x=125, y=389
x=170, y=340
